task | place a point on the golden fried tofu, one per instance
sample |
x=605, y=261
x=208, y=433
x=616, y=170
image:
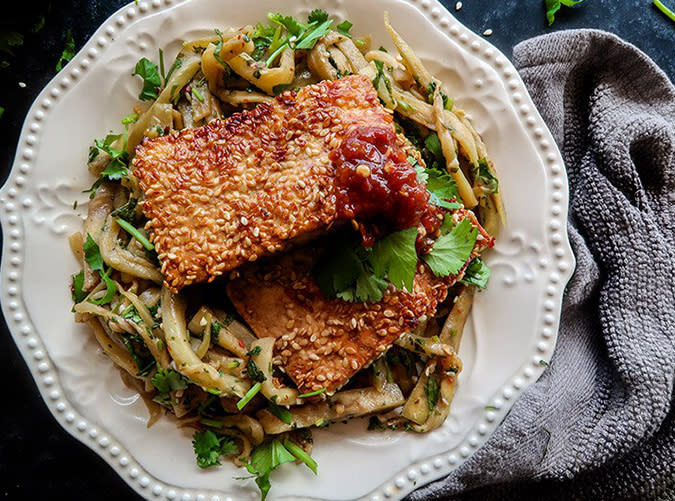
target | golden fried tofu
x=321, y=343
x=237, y=189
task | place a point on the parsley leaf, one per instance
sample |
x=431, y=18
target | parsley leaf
x=432, y=391
x=433, y=144
x=317, y=16
x=76, y=289
x=553, y=6
x=370, y=288
x=395, y=256
x=477, y=273
x=208, y=447
x=451, y=251
x=68, y=51
x=152, y=80
x=264, y=459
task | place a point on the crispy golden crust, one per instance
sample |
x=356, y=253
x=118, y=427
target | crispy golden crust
x=322, y=343
x=237, y=189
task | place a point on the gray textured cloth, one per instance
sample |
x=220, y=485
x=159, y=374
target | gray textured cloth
x=600, y=422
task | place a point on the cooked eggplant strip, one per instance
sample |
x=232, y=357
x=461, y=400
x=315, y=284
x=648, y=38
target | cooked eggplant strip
x=343, y=405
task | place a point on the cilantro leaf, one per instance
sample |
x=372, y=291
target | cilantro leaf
x=92, y=254
x=432, y=391
x=345, y=272
x=208, y=447
x=144, y=364
x=477, y=273
x=76, y=289
x=166, y=380
x=370, y=288
x=344, y=27
x=442, y=187
x=289, y=22
x=111, y=288
x=451, y=251
x=152, y=80
x=433, y=144
x=254, y=372
x=68, y=51
x=395, y=256
x=485, y=176
x=553, y=6
x=264, y=459
x=126, y=211
x=317, y=16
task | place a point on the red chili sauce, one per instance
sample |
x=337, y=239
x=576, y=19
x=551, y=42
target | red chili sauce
x=378, y=188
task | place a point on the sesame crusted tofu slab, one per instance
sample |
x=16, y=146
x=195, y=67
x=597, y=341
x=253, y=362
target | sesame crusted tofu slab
x=237, y=189
x=321, y=343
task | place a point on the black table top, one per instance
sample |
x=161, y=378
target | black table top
x=37, y=458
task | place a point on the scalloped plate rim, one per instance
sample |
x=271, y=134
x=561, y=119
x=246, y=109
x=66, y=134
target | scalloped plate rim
x=394, y=488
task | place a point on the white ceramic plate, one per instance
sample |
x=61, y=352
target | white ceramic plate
x=513, y=325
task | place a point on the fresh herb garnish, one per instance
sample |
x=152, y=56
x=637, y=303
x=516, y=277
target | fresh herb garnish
x=76, y=289
x=68, y=51
x=152, y=80
x=486, y=178
x=344, y=27
x=313, y=393
x=543, y=362
x=134, y=232
x=553, y=6
x=117, y=167
x=317, y=16
x=249, y=395
x=254, y=351
x=432, y=391
x=266, y=458
x=395, y=257
x=451, y=251
x=477, y=273
x=165, y=381
x=209, y=447
x=144, y=364
x=92, y=255
x=126, y=211
x=254, y=373
x=280, y=412
x=345, y=271
x=300, y=454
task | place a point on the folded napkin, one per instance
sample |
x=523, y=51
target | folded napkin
x=600, y=422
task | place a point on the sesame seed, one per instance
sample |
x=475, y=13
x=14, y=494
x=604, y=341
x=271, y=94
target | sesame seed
x=487, y=32
x=458, y=6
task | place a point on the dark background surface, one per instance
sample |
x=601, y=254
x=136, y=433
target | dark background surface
x=37, y=458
